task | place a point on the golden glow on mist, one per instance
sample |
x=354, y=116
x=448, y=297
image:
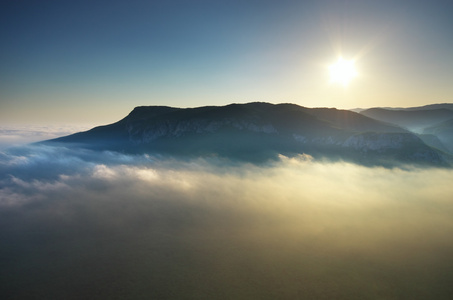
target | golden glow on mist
x=342, y=71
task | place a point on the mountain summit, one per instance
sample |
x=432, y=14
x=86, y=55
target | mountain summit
x=257, y=132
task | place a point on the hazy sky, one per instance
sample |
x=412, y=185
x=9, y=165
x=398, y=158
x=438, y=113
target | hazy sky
x=93, y=61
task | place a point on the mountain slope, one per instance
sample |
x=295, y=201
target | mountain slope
x=444, y=131
x=257, y=132
x=414, y=120
x=431, y=106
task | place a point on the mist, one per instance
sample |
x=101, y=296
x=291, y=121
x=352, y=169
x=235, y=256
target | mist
x=103, y=225
x=19, y=135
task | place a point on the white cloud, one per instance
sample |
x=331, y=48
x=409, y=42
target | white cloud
x=25, y=134
x=339, y=226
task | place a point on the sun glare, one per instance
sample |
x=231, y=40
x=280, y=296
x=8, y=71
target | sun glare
x=342, y=72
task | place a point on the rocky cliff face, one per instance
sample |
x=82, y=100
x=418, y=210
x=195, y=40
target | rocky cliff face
x=175, y=129
x=402, y=146
x=380, y=142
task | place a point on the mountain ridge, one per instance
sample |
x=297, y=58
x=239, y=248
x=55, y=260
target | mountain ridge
x=258, y=131
x=414, y=120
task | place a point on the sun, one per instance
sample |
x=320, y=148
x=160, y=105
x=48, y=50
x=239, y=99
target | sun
x=343, y=71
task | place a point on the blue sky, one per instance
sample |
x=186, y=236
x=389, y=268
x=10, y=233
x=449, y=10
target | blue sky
x=93, y=61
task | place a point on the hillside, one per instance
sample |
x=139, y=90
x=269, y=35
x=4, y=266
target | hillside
x=414, y=120
x=257, y=132
x=444, y=131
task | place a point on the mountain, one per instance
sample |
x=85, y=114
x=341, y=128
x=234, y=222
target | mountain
x=414, y=120
x=444, y=131
x=432, y=123
x=448, y=106
x=429, y=107
x=257, y=132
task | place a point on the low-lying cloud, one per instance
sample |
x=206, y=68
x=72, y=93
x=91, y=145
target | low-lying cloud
x=24, y=134
x=76, y=223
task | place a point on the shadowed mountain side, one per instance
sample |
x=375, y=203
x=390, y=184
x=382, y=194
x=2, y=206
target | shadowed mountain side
x=414, y=120
x=257, y=132
x=444, y=131
x=352, y=121
x=435, y=142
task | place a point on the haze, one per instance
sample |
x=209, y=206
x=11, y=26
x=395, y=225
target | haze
x=78, y=223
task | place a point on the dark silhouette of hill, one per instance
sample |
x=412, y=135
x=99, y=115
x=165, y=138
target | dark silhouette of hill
x=258, y=132
x=430, y=107
x=448, y=106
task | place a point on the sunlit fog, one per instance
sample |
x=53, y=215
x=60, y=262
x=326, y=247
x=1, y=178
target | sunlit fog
x=76, y=223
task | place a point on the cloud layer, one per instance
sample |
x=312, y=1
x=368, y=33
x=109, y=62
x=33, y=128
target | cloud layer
x=78, y=223
x=21, y=135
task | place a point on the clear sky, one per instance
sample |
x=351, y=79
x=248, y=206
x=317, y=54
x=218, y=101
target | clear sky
x=93, y=61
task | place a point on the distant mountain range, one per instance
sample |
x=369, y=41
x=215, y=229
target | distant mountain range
x=414, y=120
x=424, y=107
x=257, y=132
x=433, y=123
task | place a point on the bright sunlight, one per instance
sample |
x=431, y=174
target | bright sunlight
x=343, y=71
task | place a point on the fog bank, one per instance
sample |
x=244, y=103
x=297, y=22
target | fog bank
x=79, y=224
x=16, y=135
